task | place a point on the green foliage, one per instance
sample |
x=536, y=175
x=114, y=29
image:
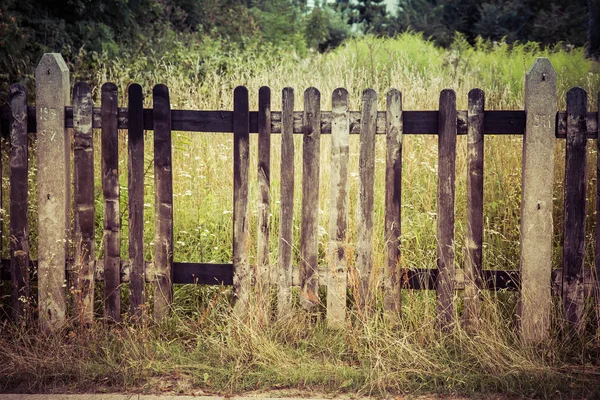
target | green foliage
x=325, y=28
x=280, y=24
x=423, y=16
x=546, y=22
x=371, y=15
x=498, y=20
x=84, y=31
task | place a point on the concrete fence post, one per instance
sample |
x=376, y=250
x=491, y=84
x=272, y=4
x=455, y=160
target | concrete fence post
x=536, y=203
x=53, y=188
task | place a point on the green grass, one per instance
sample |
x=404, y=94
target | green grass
x=204, y=346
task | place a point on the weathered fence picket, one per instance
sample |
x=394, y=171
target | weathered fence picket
x=163, y=199
x=264, y=196
x=52, y=116
x=286, y=219
x=364, y=209
x=445, y=209
x=135, y=200
x=19, y=228
x=84, y=218
x=574, y=224
x=311, y=150
x=393, y=199
x=597, y=232
x=337, y=280
x=474, y=234
x=112, y=216
x=53, y=188
x=241, y=163
x=536, y=201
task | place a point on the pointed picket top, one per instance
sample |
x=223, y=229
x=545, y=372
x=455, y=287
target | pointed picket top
x=541, y=66
x=51, y=63
x=540, y=78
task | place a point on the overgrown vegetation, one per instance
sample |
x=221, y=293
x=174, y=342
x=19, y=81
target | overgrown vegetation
x=86, y=31
x=202, y=50
x=203, y=348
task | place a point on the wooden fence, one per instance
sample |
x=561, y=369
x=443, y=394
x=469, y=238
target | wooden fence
x=53, y=118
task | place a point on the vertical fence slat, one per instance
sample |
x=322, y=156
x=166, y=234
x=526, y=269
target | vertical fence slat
x=53, y=188
x=135, y=185
x=19, y=228
x=83, y=182
x=264, y=198
x=338, y=210
x=364, y=210
x=536, y=201
x=393, y=199
x=474, y=232
x=241, y=163
x=575, y=191
x=163, y=202
x=311, y=125
x=286, y=219
x=597, y=259
x=112, y=217
x=445, y=209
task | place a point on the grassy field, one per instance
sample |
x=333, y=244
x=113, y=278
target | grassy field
x=203, y=348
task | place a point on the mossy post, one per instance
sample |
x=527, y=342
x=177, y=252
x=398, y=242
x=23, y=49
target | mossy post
x=536, y=204
x=54, y=191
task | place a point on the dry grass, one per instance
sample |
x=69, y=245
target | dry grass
x=208, y=349
x=204, y=348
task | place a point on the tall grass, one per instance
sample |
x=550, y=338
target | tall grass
x=203, y=164
x=203, y=346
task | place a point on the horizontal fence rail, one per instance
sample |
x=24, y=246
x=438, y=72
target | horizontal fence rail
x=222, y=274
x=535, y=280
x=497, y=122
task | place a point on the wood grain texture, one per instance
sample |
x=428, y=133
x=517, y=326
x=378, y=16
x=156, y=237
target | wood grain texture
x=337, y=281
x=575, y=207
x=537, y=192
x=597, y=232
x=163, y=202
x=445, y=210
x=112, y=216
x=286, y=218
x=19, y=227
x=53, y=189
x=135, y=190
x=4, y=140
x=309, y=229
x=497, y=122
x=241, y=163
x=474, y=232
x=364, y=209
x=264, y=196
x=84, y=218
x=392, y=282
x=416, y=279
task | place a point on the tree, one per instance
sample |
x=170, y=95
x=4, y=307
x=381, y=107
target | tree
x=372, y=16
x=506, y=20
x=593, y=32
x=280, y=22
x=426, y=16
x=325, y=28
